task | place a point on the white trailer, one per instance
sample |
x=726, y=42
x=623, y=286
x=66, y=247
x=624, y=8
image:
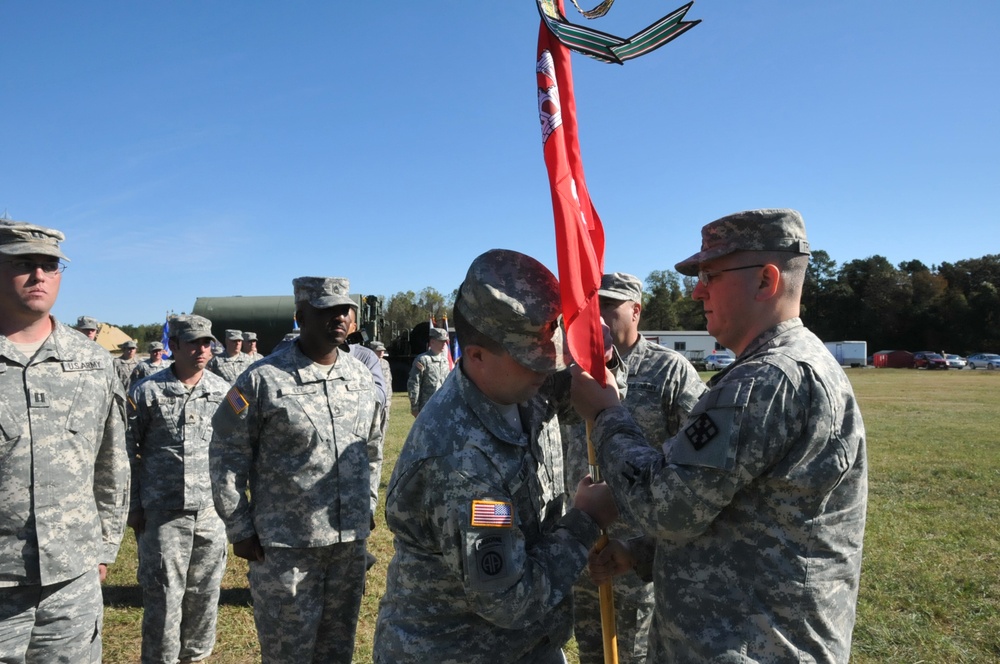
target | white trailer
x=692, y=344
x=849, y=353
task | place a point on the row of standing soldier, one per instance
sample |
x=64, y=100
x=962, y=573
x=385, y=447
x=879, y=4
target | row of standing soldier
x=762, y=476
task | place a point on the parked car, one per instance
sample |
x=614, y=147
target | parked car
x=955, y=361
x=984, y=360
x=717, y=361
x=927, y=360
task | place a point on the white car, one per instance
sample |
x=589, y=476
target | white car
x=955, y=361
x=717, y=361
x=984, y=361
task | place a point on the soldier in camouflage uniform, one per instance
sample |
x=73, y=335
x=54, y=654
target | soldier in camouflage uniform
x=663, y=387
x=428, y=371
x=379, y=349
x=249, y=348
x=155, y=362
x=231, y=363
x=125, y=365
x=300, y=431
x=758, y=503
x=182, y=541
x=64, y=474
x=87, y=326
x=486, y=551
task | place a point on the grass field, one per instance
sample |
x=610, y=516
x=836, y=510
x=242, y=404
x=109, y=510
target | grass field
x=930, y=584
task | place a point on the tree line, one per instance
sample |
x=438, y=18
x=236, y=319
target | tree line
x=951, y=306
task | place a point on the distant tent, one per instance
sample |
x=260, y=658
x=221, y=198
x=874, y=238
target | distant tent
x=110, y=337
x=892, y=359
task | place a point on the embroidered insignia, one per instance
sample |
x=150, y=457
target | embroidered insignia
x=83, y=366
x=489, y=555
x=237, y=401
x=701, y=431
x=491, y=514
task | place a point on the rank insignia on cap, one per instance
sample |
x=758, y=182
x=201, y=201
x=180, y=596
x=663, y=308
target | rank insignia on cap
x=237, y=401
x=491, y=514
x=701, y=431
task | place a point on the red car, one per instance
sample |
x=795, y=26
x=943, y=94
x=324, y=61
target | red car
x=928, y=360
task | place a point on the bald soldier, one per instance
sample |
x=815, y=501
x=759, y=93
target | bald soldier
x=64, y=472
x=758, y=502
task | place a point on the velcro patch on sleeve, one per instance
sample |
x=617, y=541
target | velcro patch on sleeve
x=492, y=514
x=237, y=401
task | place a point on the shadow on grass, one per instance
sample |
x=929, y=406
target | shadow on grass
x=131, y=596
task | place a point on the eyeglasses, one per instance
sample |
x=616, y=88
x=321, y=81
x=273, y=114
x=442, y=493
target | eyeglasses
x=29, y=267
x=705, y=277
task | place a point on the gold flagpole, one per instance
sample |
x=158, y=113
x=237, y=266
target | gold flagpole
x=609, y=631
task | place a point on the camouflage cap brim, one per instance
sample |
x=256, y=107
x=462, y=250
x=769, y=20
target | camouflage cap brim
x=771, y=229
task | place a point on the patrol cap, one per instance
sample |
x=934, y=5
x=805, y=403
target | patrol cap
x=233, y=335
x=323, y=292
x=377, y=346
x=128, y=344
x=18, y=238
x=621, y=286
x=87, y=323
x=514, y=300
x=249, y=336
x=752, y=230
x=191, y=327
x=155, y=345
x=438, y=334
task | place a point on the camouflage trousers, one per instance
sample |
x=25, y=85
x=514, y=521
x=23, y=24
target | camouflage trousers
x=633, y=615
x=306, y=602
x=55, y=624
x=182, y=557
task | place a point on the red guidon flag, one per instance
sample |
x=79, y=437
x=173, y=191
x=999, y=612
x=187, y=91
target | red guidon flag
x=579, y=233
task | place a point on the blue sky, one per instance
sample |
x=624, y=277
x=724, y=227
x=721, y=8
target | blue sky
x=216, y=148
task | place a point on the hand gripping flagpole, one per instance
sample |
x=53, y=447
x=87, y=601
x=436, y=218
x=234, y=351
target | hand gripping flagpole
x=609, y=630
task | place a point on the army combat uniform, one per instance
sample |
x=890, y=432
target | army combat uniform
x=427, y=374
x=486, y=552
x=229, y=368
x=758, y=507
x=663, y=387
x=146, y=368
x=124, y=369
x=63, y=494
x=301, y=436
x=182, y=550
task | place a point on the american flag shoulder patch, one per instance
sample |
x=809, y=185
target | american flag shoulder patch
x=492, y=514
x=236, y=399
